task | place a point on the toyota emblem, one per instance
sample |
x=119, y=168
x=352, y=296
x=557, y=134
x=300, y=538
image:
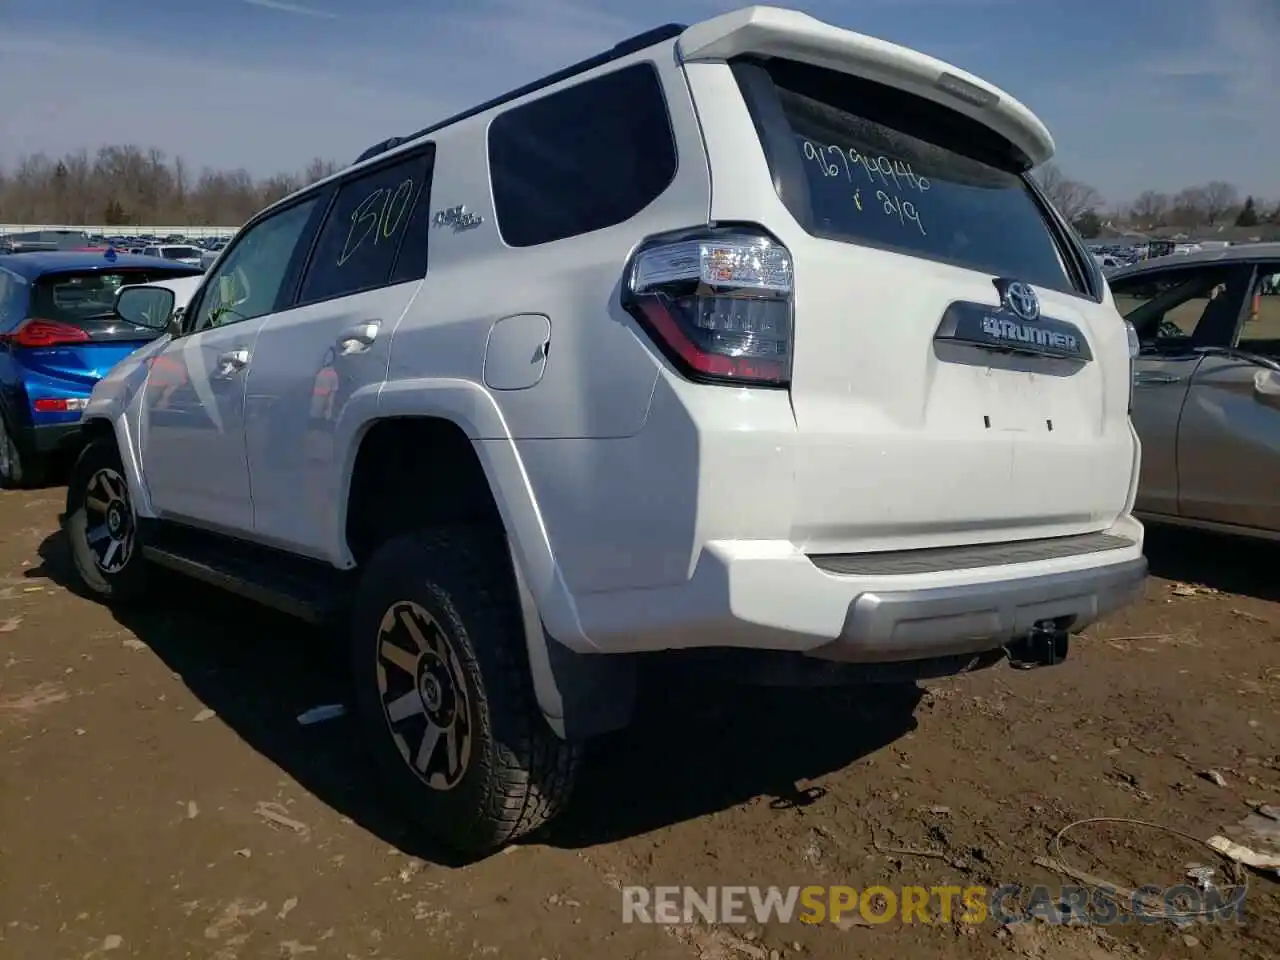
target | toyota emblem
x=1022, y=301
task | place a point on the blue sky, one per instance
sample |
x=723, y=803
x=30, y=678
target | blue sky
x=1139, y=93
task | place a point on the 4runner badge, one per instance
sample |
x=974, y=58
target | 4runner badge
x=457, y=217
x=1018, y=327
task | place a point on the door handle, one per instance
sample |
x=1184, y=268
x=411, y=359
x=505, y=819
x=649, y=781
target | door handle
x=231, y=363
x=1145, y=379
x=359, y=338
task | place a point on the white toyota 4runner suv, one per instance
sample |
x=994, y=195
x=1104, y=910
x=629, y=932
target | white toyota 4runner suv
x=751, y=337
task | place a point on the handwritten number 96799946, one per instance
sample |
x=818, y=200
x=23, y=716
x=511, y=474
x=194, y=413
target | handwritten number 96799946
x=890, y=177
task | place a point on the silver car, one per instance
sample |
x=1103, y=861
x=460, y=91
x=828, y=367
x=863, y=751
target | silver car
x=1206, y=395
x=182, y=253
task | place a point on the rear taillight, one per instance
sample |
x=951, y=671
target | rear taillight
x=718, y=304
x=59, y=404
x=44, y=333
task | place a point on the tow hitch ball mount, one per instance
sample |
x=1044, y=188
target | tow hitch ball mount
x=1045, y=646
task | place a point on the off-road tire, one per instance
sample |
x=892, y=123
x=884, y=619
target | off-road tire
x=133, y=579
x=519, y=774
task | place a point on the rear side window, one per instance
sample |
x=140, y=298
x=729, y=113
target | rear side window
x=72, y=297
x=1170, y=308
x=581, y=159
x=873, y=165
x=361, y=236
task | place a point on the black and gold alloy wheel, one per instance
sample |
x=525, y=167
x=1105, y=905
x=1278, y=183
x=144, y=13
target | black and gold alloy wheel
x=424, y=696
x=444, y=692
x=109, y=531
x=101, y=525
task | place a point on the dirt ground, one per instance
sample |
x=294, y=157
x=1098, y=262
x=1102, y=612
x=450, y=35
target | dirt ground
x=159, y=799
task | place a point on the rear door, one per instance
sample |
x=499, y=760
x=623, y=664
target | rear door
x=331, y=347
x=908, y=224
x=1229, y=436
x=1177, y=312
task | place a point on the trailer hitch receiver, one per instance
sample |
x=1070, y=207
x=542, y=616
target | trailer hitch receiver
x=1045, y=646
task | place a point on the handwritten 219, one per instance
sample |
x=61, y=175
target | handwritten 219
x=880, y=171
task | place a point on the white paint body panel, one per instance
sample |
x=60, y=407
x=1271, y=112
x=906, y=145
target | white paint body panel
x=193, y=431
x=891, y=450
x=646, y=511
x=315, y=378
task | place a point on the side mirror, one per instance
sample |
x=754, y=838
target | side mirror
x=150, y=307
x=1266, y=388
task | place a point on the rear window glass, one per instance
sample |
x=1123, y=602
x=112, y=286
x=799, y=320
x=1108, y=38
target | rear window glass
x=72, y=297
x=883, y=168
x=178, y=253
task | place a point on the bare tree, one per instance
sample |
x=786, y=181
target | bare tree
x=125, y=184
x=1072, y=198
x=318, y=169
x=1151, y=209
x=1220, y=198
x=1190, y=208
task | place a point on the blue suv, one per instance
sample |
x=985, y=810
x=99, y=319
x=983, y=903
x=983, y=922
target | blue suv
x=58, y=337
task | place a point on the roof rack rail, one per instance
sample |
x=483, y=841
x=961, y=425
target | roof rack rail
x=382, y=147
x=619, y=50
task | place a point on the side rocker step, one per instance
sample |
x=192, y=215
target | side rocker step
x=306, y=589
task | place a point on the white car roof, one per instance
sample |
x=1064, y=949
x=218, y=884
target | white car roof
x=183, y=287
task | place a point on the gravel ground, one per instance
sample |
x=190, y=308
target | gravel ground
x=160, y=800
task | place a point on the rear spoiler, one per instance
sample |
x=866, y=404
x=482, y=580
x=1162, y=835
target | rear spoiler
x=788, y=34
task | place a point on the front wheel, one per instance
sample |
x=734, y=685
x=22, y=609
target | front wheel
x=444, y=692
x=102, y=526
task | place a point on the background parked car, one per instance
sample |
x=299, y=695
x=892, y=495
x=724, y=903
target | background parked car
x=58, y=337
x=1206, y=400
x=184, y=253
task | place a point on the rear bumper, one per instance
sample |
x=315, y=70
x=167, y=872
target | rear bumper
x=945, y=621
x=768, y=595
x=54, y=437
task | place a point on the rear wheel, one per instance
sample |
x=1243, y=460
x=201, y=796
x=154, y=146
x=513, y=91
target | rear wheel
x=102, y=527
x=443, y=690
x=16, y=469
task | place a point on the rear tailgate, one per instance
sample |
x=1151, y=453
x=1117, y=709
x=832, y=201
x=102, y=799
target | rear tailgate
x=928, y=411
